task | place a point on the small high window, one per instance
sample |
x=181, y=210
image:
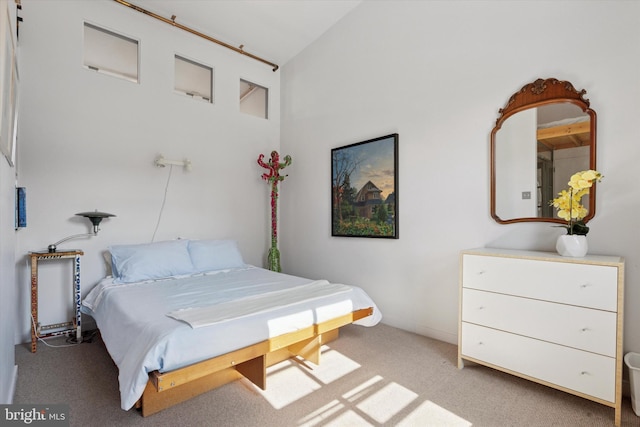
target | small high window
x=110, y=53
x=193, y=79
x=254, y=99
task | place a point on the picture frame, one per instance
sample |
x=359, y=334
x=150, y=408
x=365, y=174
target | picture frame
x=364, y=188
x=8, y=91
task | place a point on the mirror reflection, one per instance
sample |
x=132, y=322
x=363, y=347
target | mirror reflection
x=536, y=147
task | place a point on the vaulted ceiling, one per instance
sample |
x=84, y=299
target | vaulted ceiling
x=276, y=30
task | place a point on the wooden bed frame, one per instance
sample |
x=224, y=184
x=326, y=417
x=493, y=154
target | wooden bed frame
x=164, y=390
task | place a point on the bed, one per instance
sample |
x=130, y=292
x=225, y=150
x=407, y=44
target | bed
x=181, y=317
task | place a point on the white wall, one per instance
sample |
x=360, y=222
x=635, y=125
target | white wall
x=7, y=281
x=88, y=141
x=516, y=154
x=437, y=73
x=8, y=369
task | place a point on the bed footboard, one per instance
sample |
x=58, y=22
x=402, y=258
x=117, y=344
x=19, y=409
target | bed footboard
x=164, y=390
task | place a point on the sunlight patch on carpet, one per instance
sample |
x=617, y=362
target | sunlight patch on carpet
x=387, y=402
x=347, y=419
x=334, y=414
x=428, y=413
x=328, y=410
x=333, y=366
x=375, y=400
x=287, y=383
x=362, y=389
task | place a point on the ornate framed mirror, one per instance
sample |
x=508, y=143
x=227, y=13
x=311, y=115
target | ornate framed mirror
x=544, y=134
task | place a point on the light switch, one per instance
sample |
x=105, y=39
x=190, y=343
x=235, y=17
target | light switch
x=526, y=195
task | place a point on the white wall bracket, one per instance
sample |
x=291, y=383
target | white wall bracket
x=162, y=162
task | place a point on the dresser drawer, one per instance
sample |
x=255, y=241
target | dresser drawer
x=578, y=327
x=585, y=285
x=576, y=370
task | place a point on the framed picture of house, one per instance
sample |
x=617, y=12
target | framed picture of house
x=364, y=189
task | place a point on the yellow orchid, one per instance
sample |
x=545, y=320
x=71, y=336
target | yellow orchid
x=568, y=201
x=584, y=179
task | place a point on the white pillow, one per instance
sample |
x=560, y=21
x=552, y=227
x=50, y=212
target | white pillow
x=210, y=255
x=135, y=263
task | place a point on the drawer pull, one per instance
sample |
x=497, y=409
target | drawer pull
x=480, y=273
x=585, y=285
x=584, y=373
x=584, y=329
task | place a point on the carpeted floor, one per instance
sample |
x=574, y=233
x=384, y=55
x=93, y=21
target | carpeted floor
x=369, y=377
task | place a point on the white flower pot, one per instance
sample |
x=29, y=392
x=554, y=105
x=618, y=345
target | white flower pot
x=572, y=245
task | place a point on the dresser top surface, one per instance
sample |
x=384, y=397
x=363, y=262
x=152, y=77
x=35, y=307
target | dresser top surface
x=545, y=256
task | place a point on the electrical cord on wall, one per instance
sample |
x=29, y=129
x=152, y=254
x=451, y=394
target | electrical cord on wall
x=164, y=200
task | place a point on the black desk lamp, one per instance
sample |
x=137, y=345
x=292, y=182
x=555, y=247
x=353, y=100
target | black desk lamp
x=95, y=217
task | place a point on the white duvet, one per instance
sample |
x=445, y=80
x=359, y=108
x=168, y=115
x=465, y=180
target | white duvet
x=167, y=324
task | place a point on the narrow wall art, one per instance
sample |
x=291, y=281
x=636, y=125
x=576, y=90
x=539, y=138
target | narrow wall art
x=8, y=89
x=364, y=188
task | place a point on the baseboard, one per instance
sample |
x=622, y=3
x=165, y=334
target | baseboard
x=11, y=390
x=439, y=335
x=423, y=330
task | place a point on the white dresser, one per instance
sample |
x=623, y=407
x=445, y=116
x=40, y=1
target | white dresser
x=550, y=319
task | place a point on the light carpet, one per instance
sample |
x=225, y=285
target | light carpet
x=380, y=376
